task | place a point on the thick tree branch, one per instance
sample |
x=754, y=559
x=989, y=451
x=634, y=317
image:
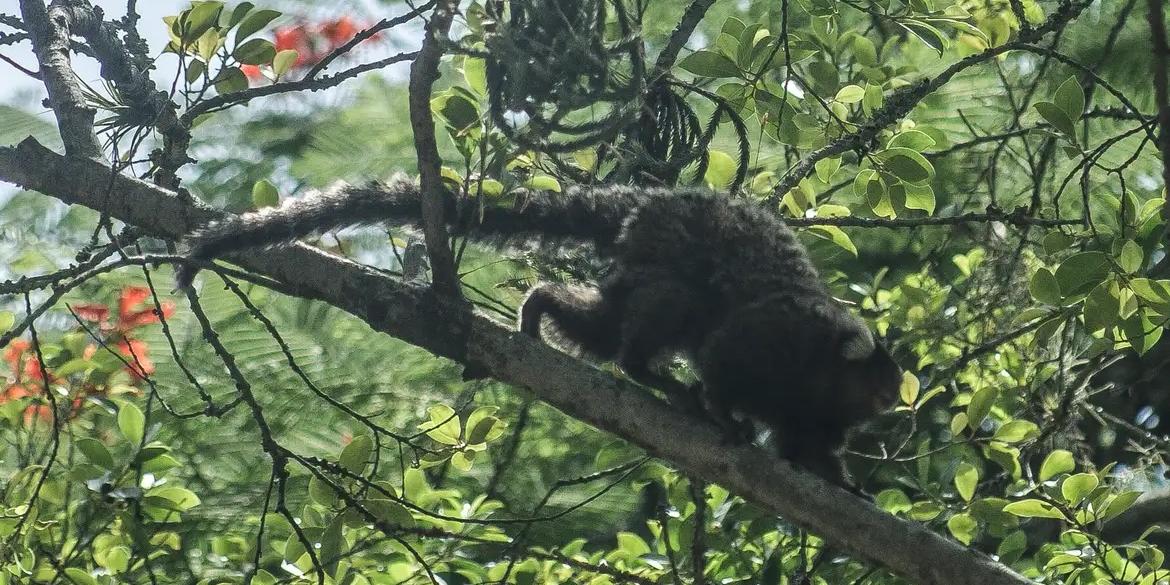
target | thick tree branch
x=49, y=32
x=445, y=327
x=423, y=73
x=135, y=86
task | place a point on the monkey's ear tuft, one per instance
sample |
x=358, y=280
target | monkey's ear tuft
x=859, y=346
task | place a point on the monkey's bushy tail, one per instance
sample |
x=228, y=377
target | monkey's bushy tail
x=580, y=214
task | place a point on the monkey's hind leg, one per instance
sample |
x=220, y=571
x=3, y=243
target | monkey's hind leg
x=658, y=319
x=585, y=318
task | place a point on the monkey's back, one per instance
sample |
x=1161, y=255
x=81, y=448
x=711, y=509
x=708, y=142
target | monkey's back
x=731, y=248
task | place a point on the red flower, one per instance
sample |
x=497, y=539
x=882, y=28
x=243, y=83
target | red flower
x=135, y=352
x=130, y=316
x=28, y=380
x=252, y=72
x=339, y=31
x=133, y=312
x=297, y=38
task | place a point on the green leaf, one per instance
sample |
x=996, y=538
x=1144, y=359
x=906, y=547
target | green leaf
x=1141, y=333
x=198, y=20
x=1120, y=503
x=920, y=197
x=239, y=12
x=834, y=234
x=459, y=112
x=1070, y=98
x=850, y=94
x=1057, y=462
x=1033, y=509
x=1056, y=241
x=966, y=478
x=181, y=499
x=321, y=492
x=283, y=61
x=865, y=51
x=1055, y=116
x=958, y=424
x=925, y=511
x=230, y=79
x=118, y=559
x=632, y=544
x=962, y=527
x=1017, y=431
x=159, y=464
x=95, y=452
x=195, y=71
x=543, y=183
x=827, y=167
x=709, y=64
x=254, y=22
x=329, y=551
x=131, y=422
x=1102, y=308
x=915, y=140
x=444, y=425
x=908, y=391
x=926, y=33
x=1074, y=488
x=484, y=430
x=487, y=188
x=294, y=549
x=475, y=74
x=79, y=577
x=720, y=169
x=906, y=164
x=1131, y=258
x=980, y=406
x=356, y=455
x=264, y=194
x=462, y=460
x=873, y=99
x=255, y=52
x=7, y=320
x=390, y=512
x=1154, y=291
x=1081, y=272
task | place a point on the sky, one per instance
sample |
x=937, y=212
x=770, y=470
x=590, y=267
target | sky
x=18, y=89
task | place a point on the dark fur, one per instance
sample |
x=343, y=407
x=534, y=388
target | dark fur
x=718, y=280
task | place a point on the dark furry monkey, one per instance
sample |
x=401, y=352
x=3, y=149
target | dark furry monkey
x=718, y=280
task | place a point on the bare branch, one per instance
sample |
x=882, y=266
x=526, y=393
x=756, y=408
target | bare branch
x=49, y=32
x=381, y=25
x=423, y=73
x=224, y=101
x=686, y=26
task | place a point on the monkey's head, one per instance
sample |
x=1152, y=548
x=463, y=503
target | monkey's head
x=869, y=378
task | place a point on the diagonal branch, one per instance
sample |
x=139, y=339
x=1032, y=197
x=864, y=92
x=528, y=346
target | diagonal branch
x=48, y=29
x=423, y=74
x=447, y=328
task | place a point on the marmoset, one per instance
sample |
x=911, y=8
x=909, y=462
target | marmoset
x=720, y=281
